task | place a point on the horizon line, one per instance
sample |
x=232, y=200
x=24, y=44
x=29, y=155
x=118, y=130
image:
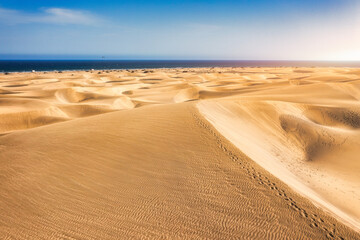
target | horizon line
x=171, y=59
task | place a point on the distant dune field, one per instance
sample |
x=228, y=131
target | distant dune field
x=200, y=153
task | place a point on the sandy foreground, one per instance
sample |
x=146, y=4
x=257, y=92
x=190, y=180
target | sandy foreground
x=220, y=153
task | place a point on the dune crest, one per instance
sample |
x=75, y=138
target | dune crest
x=199, y=153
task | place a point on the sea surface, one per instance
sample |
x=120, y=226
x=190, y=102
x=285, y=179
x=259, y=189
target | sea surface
x=62, y=65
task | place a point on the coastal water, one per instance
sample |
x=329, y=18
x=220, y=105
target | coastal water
x=62, y=65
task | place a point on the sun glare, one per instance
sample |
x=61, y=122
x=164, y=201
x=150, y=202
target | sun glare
x=353, y=55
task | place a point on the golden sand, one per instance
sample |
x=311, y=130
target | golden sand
x=221, y=153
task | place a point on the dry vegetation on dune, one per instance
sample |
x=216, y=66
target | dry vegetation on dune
x=180, y=153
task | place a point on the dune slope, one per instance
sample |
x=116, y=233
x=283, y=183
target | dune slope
x=168, y=175
x=316, y=160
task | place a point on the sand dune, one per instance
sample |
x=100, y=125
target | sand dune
x=22, y=113
x=249, y=153
x=188, y=94
x=282, y=140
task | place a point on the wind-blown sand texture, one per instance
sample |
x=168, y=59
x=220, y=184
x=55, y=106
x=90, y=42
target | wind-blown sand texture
x=220, y=153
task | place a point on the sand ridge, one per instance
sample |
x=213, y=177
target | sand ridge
x=133, y=153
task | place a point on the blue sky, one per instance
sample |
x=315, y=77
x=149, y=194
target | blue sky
x=243, y=29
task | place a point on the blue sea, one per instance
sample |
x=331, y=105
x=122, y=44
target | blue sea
x=63, y=65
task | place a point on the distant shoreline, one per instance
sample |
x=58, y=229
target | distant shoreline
x=104, y=65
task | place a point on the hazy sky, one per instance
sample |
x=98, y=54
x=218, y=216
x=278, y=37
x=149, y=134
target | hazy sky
x=217, y=29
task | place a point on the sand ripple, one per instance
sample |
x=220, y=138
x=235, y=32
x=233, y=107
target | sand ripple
x=219, y=153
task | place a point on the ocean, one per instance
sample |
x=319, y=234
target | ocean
x=63, y=65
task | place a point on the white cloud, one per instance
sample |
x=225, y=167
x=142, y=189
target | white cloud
x=48, y=16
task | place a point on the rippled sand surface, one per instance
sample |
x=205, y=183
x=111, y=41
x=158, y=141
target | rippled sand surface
x=220, y=153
